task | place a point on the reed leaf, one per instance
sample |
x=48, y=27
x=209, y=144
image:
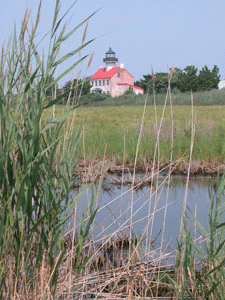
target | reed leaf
x=37, y=162
x=70, y=69
x=70, y=54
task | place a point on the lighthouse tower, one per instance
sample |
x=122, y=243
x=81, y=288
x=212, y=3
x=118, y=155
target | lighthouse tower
x=110, y=60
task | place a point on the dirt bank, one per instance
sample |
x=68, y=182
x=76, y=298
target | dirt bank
x=91, y=170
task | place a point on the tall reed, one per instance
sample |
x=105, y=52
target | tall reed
x=36, y=163
x=200, y=261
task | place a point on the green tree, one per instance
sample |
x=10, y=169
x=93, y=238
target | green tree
x=146, y=83
x=161, y=82
x=189, y=79
x=208, y=79
x=185, y=80
x=175, y=82
x=77, y=87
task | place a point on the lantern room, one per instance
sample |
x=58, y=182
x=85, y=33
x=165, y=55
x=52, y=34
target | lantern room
x=110, y=59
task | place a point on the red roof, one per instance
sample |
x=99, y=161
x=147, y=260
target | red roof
x=103, y=74
x=134, y=86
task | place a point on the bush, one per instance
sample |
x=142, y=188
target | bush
x=93, y=98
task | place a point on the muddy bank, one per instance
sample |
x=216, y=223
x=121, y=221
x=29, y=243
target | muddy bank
x=91, y=170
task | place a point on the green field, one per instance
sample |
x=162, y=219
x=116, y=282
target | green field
x=112, y=132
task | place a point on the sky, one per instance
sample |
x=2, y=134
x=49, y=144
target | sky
x=145, y=34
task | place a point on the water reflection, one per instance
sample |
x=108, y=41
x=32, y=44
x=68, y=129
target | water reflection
x=154, y=211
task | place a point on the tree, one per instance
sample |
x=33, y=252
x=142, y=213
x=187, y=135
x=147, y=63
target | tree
x=146, y=83
x=176, y=79
x=77, y=87
x=185, y=80
x=159, y=83
x=208, y=79
x=189, y=79
x=161, y=80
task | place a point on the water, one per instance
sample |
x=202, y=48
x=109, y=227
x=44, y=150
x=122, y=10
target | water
x=154, y=212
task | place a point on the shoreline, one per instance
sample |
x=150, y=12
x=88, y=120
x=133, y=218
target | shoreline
x=91, y=170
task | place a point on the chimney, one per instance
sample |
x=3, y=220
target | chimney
x=122, y=66
x=109, y=68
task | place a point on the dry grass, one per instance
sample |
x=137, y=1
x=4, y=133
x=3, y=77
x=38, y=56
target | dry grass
x=122, y=265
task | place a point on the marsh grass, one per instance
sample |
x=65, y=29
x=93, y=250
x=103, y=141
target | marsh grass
x=106, y=129
x=35, y=181
x=200, y=262
x=208, y=98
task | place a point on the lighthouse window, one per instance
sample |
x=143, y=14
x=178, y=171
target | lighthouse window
x=100, y=82
x=103, y=82
x=96, y=83
x=107, y=82
x=118, y=74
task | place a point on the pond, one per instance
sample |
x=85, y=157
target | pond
x=152, y=212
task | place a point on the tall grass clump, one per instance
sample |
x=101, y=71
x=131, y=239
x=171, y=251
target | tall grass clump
x=36, y=162
x=200, y=260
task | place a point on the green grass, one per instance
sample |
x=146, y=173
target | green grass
x=108, y=130
x=212, y=97
x=199, y=264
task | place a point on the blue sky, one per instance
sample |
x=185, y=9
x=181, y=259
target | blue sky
x=143, y=33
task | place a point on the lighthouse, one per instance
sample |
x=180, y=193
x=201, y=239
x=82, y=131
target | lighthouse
x=113, y=79
x=110, y=59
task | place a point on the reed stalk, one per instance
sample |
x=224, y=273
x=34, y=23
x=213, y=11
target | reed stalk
x=36, y=179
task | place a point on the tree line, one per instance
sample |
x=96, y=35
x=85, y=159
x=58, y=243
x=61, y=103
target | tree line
x=189, y=79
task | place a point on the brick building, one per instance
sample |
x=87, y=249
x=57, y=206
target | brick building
x=113, y=79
